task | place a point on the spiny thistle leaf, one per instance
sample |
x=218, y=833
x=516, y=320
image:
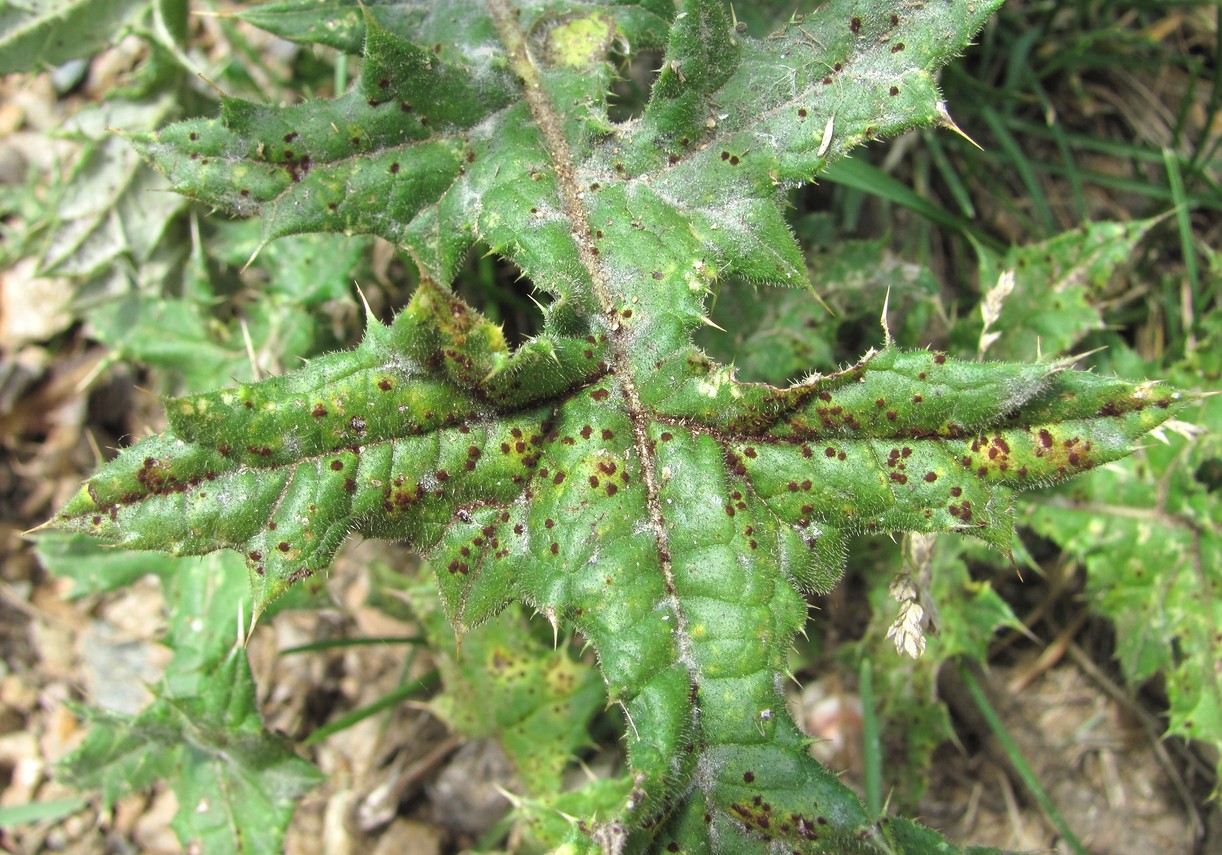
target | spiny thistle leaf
x=237, y=785
x=607, y=473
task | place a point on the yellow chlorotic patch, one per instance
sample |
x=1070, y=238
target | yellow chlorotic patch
x=580, y=42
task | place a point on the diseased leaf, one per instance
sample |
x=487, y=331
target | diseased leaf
x=535, y=503
x=780, y=335
x=502, y=681
x=1058, y=285
x=1146, y=529
x=606, y=473
x=341, y=24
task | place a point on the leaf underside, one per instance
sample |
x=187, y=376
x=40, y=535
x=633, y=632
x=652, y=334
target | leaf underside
x=606, y=473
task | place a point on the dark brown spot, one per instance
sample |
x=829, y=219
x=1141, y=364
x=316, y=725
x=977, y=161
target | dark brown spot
x=283, y=546
x=855, y=24
x=893, y=91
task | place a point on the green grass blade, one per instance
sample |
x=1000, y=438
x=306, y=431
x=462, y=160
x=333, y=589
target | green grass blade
x=338, y=643
x=1022, y=165
x=954, y=184
x=419, y=686
x=871, y=750
x=32, y=812
x=1183, y=220
x=861, y=175
x=1059, y=136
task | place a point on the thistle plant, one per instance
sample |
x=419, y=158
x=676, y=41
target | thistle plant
x=606, y=473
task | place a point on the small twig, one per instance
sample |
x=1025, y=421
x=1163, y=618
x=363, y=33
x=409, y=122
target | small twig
x=1051, y=654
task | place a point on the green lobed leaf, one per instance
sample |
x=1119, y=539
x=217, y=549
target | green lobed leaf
x=606, y=473
x=504, y=682
x=437, y=174
x=1058, y=284
x=39, y=33
x=341, y=24
x=1146, y=530
x=198, y=339
x=777, y=336
x=237, y=785
x=540, y=505
x=113, y=206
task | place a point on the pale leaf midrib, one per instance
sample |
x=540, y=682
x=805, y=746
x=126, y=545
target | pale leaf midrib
x=550, y=125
